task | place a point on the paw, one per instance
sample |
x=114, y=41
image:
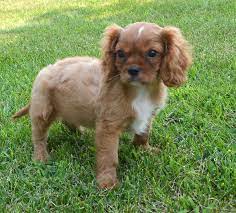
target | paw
x=41, y=157
x=151, y=149
x=107, y=181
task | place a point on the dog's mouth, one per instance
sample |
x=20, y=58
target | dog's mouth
x=136, y=81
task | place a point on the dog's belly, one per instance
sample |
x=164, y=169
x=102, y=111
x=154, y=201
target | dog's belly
x=78, y=116
x=77, y=108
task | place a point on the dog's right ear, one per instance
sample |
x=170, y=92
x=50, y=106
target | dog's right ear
x=109, y=41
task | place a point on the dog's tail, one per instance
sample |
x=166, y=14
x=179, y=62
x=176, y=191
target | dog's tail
x=23, y=111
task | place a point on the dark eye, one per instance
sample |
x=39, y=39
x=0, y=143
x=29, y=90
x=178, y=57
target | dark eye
x=120, y=54
x=152, y=53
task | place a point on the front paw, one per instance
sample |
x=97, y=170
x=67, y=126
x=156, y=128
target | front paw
x=42, y=157
x=107, y=181
x=153, y=149
x=148, y=148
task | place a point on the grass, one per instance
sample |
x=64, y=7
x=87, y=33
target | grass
x=195, y=170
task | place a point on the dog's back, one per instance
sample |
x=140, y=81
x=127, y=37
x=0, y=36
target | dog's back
x=68, y=90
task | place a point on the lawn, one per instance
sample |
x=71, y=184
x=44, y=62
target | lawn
x=196, y=168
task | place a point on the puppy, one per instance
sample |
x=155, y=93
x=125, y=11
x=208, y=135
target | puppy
x=122, y=91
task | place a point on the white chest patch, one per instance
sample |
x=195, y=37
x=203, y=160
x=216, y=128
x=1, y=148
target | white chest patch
x=144, y=108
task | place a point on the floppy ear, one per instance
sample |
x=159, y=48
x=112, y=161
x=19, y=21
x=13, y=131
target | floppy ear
x=177, y=57
x=109, y=41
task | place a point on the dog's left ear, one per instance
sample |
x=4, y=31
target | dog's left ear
x=177, y=57
x=109, y=41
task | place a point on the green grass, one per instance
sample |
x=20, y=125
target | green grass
x=195, y=170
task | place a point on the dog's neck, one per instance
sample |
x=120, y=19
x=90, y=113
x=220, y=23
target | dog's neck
x=136, y=103
x=132, y=90
x=146, y=101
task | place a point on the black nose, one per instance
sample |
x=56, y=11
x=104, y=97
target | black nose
x=134, y=70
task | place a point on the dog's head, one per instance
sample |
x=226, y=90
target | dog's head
x=142, y=52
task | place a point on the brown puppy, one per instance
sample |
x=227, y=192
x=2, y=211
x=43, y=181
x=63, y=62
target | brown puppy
x=121, y=91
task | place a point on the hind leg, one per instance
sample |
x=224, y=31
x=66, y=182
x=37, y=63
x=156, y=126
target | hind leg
x=39, y=136
x=42, y=115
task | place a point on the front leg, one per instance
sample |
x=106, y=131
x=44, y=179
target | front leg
x=107, y=142
x=142, y=141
